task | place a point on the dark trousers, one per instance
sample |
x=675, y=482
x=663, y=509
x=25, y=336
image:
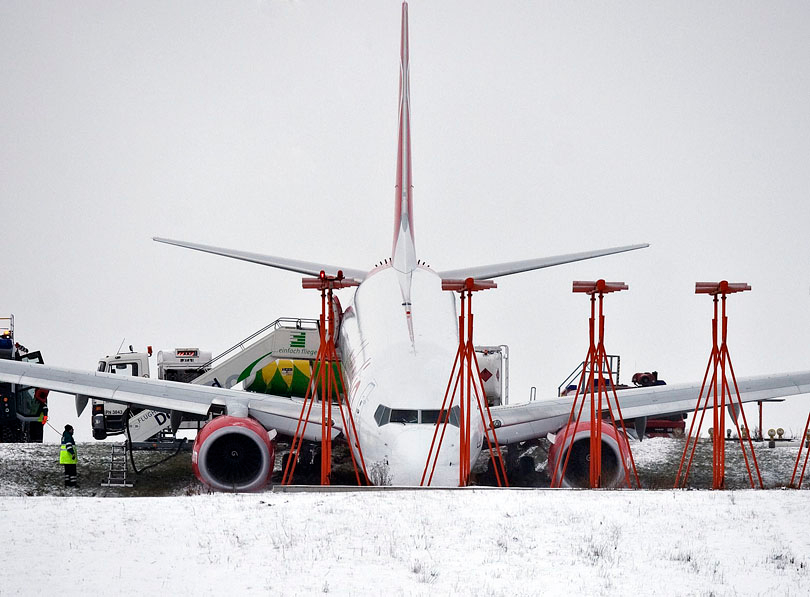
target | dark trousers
x=70, y=475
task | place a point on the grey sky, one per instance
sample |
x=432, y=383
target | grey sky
x=538, y=128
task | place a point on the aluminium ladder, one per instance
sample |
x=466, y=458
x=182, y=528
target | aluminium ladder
x=117, y=471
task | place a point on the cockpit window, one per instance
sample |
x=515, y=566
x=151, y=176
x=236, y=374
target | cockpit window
x=430, y=416
x=384, y=415
x=399, y=415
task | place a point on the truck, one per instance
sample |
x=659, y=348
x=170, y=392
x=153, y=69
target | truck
x=179, y=364
x=23, y=409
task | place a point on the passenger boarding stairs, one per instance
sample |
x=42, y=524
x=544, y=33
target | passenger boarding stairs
x=285, y=338
x=117, y=471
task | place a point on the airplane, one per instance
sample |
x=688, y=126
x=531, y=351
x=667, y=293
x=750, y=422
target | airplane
x=397, y=343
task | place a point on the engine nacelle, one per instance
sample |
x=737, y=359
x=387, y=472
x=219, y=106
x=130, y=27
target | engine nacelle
x=233, y=454
x=578, y=442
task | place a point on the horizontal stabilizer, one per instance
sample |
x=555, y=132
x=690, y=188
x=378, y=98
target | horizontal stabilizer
x=310, y=268
x=515, y=267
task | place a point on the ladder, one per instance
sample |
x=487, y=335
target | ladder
x=117, y=472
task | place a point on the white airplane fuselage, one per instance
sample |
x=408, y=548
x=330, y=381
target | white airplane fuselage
x=384, y=369
x=399, y=337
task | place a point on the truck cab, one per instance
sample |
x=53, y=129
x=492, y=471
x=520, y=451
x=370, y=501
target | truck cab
x=179, y=364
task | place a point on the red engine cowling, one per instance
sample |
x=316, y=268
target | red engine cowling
x=579, y=443
x=233, y=454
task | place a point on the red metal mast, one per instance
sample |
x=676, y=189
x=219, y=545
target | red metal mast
x=805, y=442
x=596, y=364
x=719, y=361
x=465, y=378
x=327, y=380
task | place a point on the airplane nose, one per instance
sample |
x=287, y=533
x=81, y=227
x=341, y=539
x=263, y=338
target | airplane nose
x=410, y=454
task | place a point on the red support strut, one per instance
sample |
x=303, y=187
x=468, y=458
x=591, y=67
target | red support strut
x=805, y=442
x=465, y=378
x=327, y=381
x=596, y=366
x=719, y=389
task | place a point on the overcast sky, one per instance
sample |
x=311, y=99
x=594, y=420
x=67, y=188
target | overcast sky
x=539, y=128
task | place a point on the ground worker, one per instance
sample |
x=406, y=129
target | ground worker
x=67, y=456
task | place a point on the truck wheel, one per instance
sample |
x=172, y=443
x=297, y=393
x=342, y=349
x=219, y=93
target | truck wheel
x=11, y=433
x=35, y=433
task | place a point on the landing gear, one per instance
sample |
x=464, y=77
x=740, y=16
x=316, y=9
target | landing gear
x=35, y=432
x=308, y=464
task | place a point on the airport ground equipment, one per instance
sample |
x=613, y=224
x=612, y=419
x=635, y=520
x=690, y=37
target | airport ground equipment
x=179, y=364
x=328, y=383
x=117, y=470
x=23, y=409
x=466, y=380
x=274, y=359
x=595, y=387
x=720, y=391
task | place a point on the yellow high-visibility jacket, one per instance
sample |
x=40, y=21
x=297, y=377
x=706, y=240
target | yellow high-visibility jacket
x=67, y=452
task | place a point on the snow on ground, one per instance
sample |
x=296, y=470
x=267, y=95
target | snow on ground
x=412, y=542
x=442, y=542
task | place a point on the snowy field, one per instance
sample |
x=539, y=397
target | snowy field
x=412, y=542
x=437, y=542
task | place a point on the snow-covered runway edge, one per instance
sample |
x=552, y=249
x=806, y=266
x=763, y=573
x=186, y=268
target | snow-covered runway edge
x=468, y=542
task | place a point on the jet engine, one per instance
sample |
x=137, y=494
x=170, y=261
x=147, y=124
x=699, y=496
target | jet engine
x=233, y=454
x=578, y=442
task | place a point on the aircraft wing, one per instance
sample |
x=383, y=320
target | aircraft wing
x=522, y=422
x=515, y=267
x=310, y=268
x=274, y=412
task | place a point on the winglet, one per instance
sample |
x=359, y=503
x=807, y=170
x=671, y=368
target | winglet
x=403, y=253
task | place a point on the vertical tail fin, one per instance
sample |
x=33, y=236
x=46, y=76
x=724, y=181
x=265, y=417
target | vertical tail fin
x=403, y=253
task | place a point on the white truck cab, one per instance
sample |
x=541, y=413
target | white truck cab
x=179, y=364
